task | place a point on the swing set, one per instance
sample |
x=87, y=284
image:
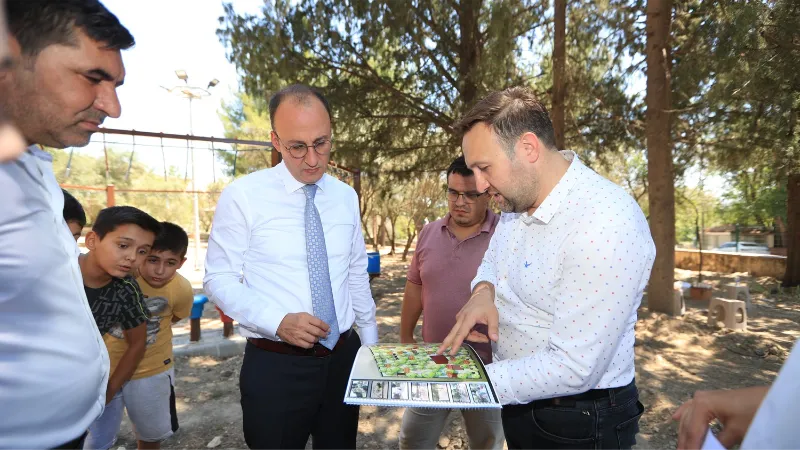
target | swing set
x=189, y=143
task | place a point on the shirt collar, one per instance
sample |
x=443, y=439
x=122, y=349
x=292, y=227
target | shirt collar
x=551, y=204
x=37, y=151
x=489, y=221
x=292, y=184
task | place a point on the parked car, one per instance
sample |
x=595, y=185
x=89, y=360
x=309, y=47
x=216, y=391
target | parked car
x=744, y=247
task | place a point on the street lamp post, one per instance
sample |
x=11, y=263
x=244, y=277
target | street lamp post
x=191, y=93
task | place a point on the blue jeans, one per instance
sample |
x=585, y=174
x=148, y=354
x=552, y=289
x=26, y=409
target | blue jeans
x=598, y=419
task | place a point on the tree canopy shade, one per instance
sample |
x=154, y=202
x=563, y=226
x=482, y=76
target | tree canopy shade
x=398, y=73
x=722, y=85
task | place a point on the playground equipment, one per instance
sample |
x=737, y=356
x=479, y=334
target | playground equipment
x=373, y=265
x=727, y=313
x=198, y=305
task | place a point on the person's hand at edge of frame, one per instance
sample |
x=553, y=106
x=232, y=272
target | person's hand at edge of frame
x=734, y=409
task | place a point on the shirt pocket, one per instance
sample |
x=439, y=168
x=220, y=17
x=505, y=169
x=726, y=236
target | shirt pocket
x=278, y=242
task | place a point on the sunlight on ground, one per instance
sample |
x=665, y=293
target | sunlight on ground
x=202, y=361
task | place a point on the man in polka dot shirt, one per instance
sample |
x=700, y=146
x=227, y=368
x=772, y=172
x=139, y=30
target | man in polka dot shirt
x=559, y=285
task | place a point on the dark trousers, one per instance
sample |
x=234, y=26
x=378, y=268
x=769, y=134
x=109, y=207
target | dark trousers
x=608, y=420
x=286, y=398
x=75, y=444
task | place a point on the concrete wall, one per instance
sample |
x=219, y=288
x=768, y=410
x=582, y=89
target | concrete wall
x=726, y=262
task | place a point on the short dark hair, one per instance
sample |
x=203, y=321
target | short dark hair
x=73, y=211
x=172, y=238
x=510, y=113
x=115, y=216
x=459, y=166
x=300, y=92
x=37, y=24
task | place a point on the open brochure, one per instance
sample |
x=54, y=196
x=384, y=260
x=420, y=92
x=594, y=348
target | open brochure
x=412, y=375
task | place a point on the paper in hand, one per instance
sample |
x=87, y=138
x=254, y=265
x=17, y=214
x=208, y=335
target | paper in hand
x=711, y=442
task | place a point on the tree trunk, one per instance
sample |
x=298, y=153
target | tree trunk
x=559, y=60
x=792, y=276
x=469, y=51
x=382, y=231
x=391, y=221
x=366, y=209
x=365, y=226
x=660, y=172
x=411, y=235
x=375, y=233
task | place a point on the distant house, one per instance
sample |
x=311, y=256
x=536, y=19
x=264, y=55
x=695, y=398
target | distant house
x=714, y=237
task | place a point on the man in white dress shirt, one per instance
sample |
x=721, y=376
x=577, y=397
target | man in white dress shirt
x=559, y=285
x=286, y=259
x=53, y=363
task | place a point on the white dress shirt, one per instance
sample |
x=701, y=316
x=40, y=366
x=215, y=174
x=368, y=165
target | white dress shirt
x=53, y=363
x=568, y=280
x=256, y=266
x=775, y=423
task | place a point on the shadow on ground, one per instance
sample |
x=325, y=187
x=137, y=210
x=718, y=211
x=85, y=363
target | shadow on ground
x=675, y=356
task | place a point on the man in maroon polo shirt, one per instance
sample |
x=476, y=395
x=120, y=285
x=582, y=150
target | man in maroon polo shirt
x=448, y=254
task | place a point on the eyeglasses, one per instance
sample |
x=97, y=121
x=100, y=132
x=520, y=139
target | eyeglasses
x=469, y=197
x=300, y=150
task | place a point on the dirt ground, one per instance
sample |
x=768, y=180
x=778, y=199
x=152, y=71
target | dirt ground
x=674, y=357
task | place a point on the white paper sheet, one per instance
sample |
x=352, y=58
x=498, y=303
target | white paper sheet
x=711, y=442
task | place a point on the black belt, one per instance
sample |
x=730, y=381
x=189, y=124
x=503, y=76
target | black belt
x=588, y=396
x=284, y=348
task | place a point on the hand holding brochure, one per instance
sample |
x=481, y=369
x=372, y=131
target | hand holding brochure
x=412, y=375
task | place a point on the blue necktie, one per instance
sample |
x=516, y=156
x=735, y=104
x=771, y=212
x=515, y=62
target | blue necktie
x=318, y=274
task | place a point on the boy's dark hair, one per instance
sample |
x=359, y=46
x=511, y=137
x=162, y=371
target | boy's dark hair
x=110, y=218
x=37, y=24
x=459, y=166
x=73, y=211
x=299, y=92
x=510, y=113
x=172, y=238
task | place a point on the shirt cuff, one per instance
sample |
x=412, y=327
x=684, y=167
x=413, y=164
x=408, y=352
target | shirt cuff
x=482, y=278
x=271, y=323
x=369, y=335
x=501, y=381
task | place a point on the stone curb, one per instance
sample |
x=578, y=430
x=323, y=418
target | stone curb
x=223, y=348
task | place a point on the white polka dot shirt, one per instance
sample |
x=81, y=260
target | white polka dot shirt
x=568, y=281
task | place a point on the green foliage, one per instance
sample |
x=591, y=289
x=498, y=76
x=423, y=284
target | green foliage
x=736, y=94
x=695, y=209
x=91, y=171
x=245, y=119
x=757, y=198
x=398, y=73
x=736, y=84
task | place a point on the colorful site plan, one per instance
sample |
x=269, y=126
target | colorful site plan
x=413, y=375
x=421, y=361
